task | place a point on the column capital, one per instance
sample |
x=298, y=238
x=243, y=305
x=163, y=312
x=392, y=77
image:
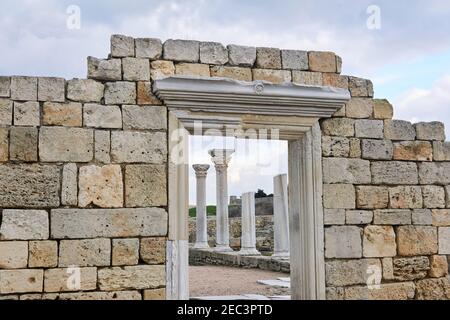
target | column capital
x=201, y=170
x=221, y=157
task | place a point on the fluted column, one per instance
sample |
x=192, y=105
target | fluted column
x=221, y=158
x=201, y=239
x=248, y=235
x=280, y=216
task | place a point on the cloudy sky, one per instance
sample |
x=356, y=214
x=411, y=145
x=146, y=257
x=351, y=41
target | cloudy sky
x=408, y=58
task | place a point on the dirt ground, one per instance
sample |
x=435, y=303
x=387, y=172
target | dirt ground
x=221, y=281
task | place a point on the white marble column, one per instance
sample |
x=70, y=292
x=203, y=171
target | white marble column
x=248, y=235
x=280, y=216
x=221, y=158
x=201, y=239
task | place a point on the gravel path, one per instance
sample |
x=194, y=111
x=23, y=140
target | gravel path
x=221, y=281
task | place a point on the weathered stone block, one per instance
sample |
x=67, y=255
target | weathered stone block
x=333, y=293
x=120, y=92
x=145, y=95
x=236, y=73
x=273, y=76
x=122, y=46
x=101, y=116
x=24, y=225
x=101, y=186
x=372, y=197
x=377, y=149
x=181, y=50
x=69, y=192
x=136, y=69
x=133, y=277
x=268, y=58
x=441, y=151
x=392, y=217
x=379, y=241
x=155, y=294
x=108, y=223
x=64, y=144
x=382, y=109
x=413, y=151
x=21, y=281
x=434, y=173
x=4, y=144
x=62, y=114
x=344, y=170
x=334, y=216
x=97, y=295
x=322, y=61
x=444, y=240
x=359, y=108
x=438, y=266
x=355, y=148
x=358, y=217
x=27, y=114
x=85, y=90
x=339, y=127
x=432, y=289
x=388, y=291
x=43, y=254
x=433, y=197
x=394, y=173
x=85, y=253
x=160, y=69
x=52, y=89
x=307, y=78
x=13, y=254
x=153, y=250
x=343, y=242
x=351, y=272
x=5, y=87
x=294, y=59
x=417, y=240
x=388, y=268
x=106, y=70
x=23, y=144
x=102, y=146
x=144, y=117
x=335, y=146
x=58, y=280
x=399, y=130
x=241, y=55
x=339, y=196
x=145, y=186
x=29, y=186
x=430, y=131
x=192, y=69
x=24, y=88
x=149, y=48
x=359, y=87
x=447, y=196
x=213, y=53
x=125, y=252
x=405, y=197
x=414, y=268
x=6, y=107
x=422, y=217
x=335, y=80
x=369, y=129
x=137, y=147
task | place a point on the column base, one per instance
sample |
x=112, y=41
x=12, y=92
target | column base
x=201, y=245
x=281, y=255
x=222, y=248
x=249, y=252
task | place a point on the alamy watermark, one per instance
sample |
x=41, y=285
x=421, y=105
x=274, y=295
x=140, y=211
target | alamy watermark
x=373, y=21
x=73, y=21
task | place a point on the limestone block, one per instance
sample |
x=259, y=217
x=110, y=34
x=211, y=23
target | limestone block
x=338, y=64
x=160, y=69
x=138, y=147
x=5, y=87
x=294, y=59
x=377, y=149
x=52, y=89
x=447, y=196
x=6, y=107
x=430, y=131
x=335, y=146
x=433, y=197
x=322, y=61
x=24, y=225
x=69, y=186
x=125, y=252
x=21, y=281
x=24, y=88
x=108, y=223
x=192, y=69
x=444, y=240
x=413, y=268
x=405, y=197
x=181, y=50
x=307, y=78
x=434, y=173
x=85, y=90
x=102, y=146
x=136, y=69
x=27, y=114
x=382, y=109
x=89, y=296
x=340, y=113
x=422, y=217
x=29, y=186
x=344, y=170
x=144, y=117
x=379, y=241
x=417, y=240
x=372, y=197
x=334, y=216
x=64, y=144
x=370, y=91
x=122, y=46
x=413, y=151
x=343, y=127
x=394, y=173
x=145, y=95
x=355, y=148
x=388, y=291
x=359, y=87
x=339, y=196
x=392, y=217
x=213, y=53
x=351, y=272
x=438, y=266
x=236, y=73
x=388, y=268
x=149, y=48
x=432, y=289
x=43, y=254
x=104, y=69
x=335, y=80
x=85, y=253
x=101, y=186
x=343, y=242
x=101, y=116
x=13, y=254
x=23, y=144
x=155, y=294
x=369, y=129
x=359, y=108
x=268, y=58
x=399, y=130
x=4, y=144
x=145, y=186
x=62, y=114
x=58, y=280
x=132, y=277
x=273, y=76
x=358, y=217
x=241, y=55
x=153, y=250
x=441, y=151
x=333, y=293
x=120, y=92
